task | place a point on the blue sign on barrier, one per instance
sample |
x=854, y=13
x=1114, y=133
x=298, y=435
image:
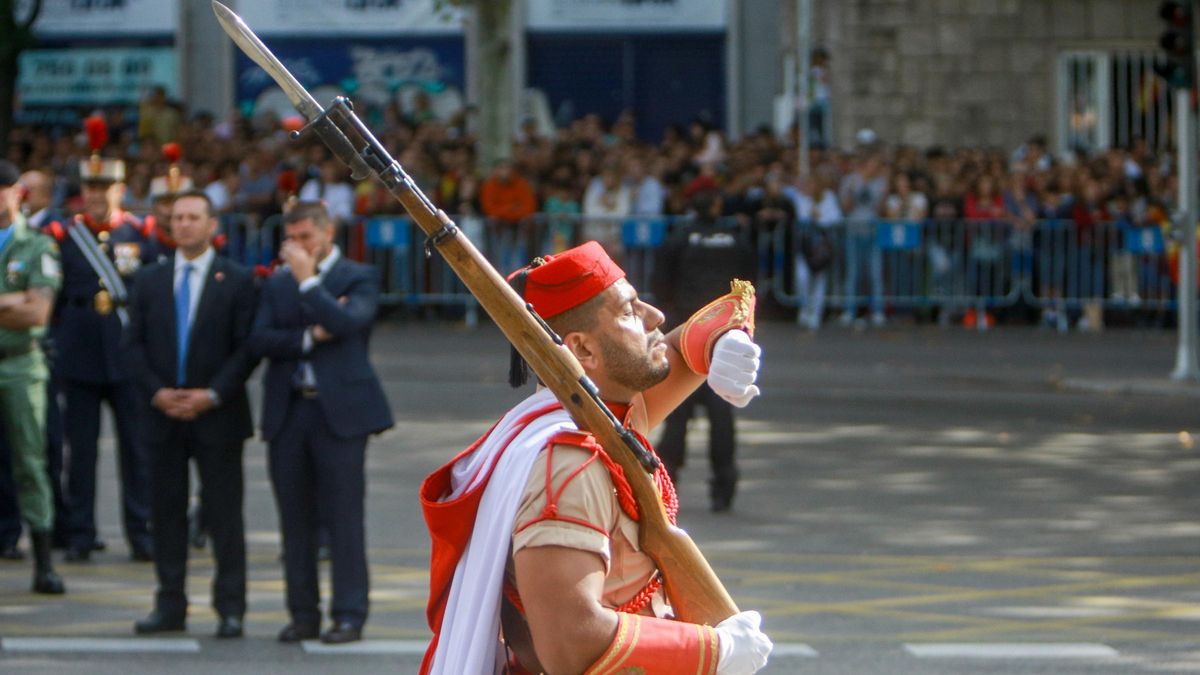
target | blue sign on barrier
x=899, y=236
x=643, y=232
x=1144, y=240
x=389, y=233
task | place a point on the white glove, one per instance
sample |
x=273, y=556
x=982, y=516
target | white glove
x=734, y=368
x=744, y=648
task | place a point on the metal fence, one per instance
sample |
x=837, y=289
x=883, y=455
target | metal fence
x=968, y=265
x=852, y=267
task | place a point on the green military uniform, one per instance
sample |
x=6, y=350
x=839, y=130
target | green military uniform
x=27, y=260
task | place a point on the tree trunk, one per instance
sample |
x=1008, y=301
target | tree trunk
x=16, y=34
x=491, y=64
x=8, y=88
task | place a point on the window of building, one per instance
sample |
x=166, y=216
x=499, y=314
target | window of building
x=1111, y=99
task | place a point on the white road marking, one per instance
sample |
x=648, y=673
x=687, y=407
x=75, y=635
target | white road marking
x=100, y=645
x=792, y=649
x=1011, y=651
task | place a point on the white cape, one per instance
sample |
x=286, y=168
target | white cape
x=469, y=640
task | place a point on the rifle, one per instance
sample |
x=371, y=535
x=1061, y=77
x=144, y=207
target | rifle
x=693, y=588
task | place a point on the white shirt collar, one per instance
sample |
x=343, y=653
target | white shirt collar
x=330, y=260
x=200, y=264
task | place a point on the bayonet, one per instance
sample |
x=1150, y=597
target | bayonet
x=318, y=118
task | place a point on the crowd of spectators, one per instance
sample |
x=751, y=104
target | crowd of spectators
x=601, y=170
x=598, y=168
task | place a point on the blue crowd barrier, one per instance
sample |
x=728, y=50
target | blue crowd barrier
x=873, y=266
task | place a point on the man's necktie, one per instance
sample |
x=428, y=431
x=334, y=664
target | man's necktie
x=183, y=304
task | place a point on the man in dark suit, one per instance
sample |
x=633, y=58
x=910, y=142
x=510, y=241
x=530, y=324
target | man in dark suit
x=189, y=323
x=321, y=402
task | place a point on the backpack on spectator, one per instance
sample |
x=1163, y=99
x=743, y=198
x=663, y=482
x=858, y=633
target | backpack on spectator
x=817, y=249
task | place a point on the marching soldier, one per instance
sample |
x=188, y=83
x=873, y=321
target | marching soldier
x=31, y=275
x=102, y=248
x=535, y=528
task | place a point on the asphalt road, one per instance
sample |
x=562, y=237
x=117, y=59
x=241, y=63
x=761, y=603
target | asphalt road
x=913, y=501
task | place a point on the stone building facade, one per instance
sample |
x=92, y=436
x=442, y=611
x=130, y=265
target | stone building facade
x=991, y=72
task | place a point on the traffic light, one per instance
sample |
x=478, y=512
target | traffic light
x=1178, y=42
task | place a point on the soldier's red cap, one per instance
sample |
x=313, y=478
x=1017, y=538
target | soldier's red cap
x=556, y=283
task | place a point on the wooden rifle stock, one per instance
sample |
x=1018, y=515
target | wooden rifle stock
x=694, y=590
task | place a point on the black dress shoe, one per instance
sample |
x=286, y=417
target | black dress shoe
x=78, y=554
x=11, y=552
x=295, y=632
x=341, y=633
x=141, y=553
x=157, y=622
x=722, y=505
x=229, y=627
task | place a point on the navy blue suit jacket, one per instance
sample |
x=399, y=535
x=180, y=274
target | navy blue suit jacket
x=218, y=355
x=344, y=304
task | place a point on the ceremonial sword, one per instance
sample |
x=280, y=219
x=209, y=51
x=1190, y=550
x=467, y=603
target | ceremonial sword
x=695, y=592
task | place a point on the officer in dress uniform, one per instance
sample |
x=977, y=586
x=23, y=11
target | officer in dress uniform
x=102, y=248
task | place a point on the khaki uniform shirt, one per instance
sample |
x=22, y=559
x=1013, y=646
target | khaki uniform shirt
x=28, y=260
x=590, y=497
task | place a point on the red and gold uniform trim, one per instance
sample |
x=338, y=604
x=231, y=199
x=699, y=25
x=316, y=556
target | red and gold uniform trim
x=734, y=310
x=644, y=645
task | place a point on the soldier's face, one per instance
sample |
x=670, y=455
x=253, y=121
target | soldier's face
x=99, y=199
x=632, y=348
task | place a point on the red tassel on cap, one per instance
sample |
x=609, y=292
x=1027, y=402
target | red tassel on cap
x=97, y=132
x=287, y=182
x=172, y=152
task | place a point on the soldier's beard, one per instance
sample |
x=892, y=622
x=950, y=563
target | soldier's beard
x=634, y=370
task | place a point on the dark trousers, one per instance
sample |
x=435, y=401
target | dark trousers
x=82, y=421
x=54, y=458
x=319, y=480
x=722, y=442
x=10, y=511
x=219, y=463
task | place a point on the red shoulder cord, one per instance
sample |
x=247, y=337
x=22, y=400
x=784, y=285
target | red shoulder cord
x=662, y=480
